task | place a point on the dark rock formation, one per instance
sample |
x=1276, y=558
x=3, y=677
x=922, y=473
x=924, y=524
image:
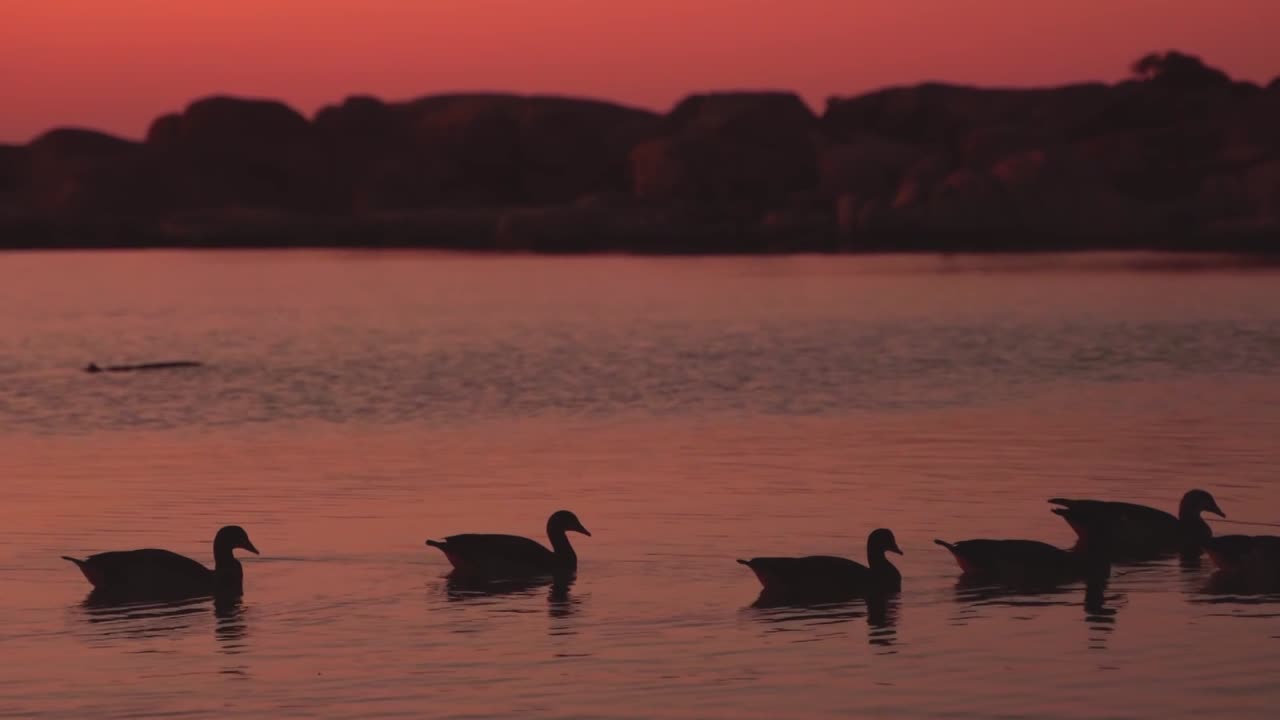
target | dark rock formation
x=1180, y=156
x=730, y=155
x=234, y=152
x=15, y=173
x=76, y=171
x=478, y=150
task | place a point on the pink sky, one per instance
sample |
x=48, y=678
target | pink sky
x=116, y=65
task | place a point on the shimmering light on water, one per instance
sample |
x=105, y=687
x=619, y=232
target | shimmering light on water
x=690, y=412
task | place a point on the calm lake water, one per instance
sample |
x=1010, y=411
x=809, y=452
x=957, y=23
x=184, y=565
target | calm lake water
x=690, y=412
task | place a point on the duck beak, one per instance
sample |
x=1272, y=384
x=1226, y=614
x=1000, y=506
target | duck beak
x=1213, y=508
x=584, y=531
x=896, y=549
x=249, y=546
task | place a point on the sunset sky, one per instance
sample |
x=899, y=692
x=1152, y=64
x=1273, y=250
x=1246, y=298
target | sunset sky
x=116, y=65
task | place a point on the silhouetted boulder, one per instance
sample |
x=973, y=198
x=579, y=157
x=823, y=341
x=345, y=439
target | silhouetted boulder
x=437, y=151
x=571, y=147
x=480, y=150
x=1067, y=194
x=730, y=155
x=76, y=170
x=235, y=152
x=973, y=125
x=1262, y=185
x=15, y=172
x=867, y=166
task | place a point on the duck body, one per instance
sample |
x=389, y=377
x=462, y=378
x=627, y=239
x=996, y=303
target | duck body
x=511, y=556
x=1254, y=556
x=1024, y=560
x=823, y=574
x=502, y=555
x=1139, y=532
x=161, y=574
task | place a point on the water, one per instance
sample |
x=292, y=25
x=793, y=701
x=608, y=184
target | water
x=690, y=412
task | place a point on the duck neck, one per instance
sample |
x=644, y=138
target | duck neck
x=877, y=561
x=225, y=564
x=560, y=544
x=1193, y=527
x=1189, y=516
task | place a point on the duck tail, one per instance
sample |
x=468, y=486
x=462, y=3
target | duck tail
x=79, y=563
x=1061, y=501
x=745, y=562
x=435, y=544
x=945, y=544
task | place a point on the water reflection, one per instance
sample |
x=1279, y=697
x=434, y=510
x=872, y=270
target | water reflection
x=1222, y=588
x=230, y=630
x=560, y=602
x=1100, y=609
x=789, y=612
x=230, y=627
x=111, y=619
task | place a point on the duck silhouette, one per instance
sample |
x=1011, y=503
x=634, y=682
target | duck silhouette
x=161, y=574
x=1139, y=532
x=829, y=575
x=1246, y=559
x=1031, y=562
x=512, y=556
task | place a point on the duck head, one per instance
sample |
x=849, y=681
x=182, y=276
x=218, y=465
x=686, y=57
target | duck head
x=233, y=537
x=563, y=521
x=881, y=541
x=1196, y=502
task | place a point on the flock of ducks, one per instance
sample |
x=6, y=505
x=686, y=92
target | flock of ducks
x=1108, y=532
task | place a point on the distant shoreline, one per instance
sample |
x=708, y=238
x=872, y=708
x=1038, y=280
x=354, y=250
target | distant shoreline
x=1180, y=158
x=567, y=231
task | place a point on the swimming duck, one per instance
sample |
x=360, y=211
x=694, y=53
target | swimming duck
x=509, y=556
x=1138, y=531
x=1016, y=561
x=150, y=573
x=1252, y=555
x=828, y=574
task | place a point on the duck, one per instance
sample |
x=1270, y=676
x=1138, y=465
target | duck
x=1256, y=556
x=512, y=556
x=828, y=574
x=1141, y=532
x=1019, y=561
x=151, y=573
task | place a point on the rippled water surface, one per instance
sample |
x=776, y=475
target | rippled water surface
x=691, y=412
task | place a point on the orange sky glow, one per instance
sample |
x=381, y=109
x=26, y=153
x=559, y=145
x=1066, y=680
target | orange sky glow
x=116, y=65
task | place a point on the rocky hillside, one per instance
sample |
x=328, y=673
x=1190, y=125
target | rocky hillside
x=1180, y=156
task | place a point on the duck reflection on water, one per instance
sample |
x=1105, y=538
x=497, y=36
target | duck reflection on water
x=793, y=610
x=112, y=619
x=461, y=588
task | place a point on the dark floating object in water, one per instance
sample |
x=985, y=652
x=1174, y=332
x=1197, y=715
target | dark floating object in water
x=825, y=575
x=1251, y=556
x=511, y=556
x=161, y=574
x=1140, y=532
x=1020, y=562
x=95, y=368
